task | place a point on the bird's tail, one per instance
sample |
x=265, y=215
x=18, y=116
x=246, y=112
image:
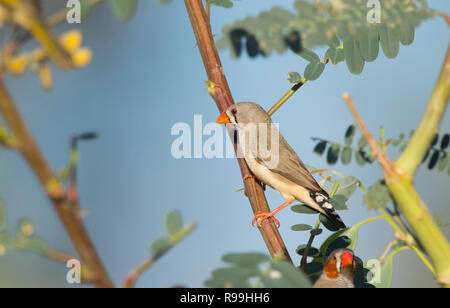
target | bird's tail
x=327, y=209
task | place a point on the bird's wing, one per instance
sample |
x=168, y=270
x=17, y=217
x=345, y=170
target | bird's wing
x=291, y=167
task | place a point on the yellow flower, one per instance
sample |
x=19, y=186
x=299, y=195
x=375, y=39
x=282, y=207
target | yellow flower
x=82, y=57
x=17, y=64
x=71, y=41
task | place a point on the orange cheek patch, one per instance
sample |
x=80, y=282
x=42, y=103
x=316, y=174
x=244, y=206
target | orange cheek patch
x=330, y=269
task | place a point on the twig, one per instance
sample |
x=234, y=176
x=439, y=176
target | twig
x=69, y=215
x=131, y=279
x=304, y=260
x=286, y=97
x=223, y=98
x=291, y=92
x=53, y=20
x=385, y=162
x=27, y=18
x=208, y=9
x=400, y=184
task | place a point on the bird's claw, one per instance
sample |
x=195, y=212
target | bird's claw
x=261, y=216
x=248, y=176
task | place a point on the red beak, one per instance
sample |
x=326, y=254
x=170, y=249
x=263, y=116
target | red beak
x=223, y=119
x=347, y=259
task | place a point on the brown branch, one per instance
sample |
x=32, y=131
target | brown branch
x=385, y=162
x=69, y=214
x=223, y=98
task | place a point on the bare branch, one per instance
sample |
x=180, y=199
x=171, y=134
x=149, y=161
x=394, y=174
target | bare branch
x=222, y=95
x=68, y=213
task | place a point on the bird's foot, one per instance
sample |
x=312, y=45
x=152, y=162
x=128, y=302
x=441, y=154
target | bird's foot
x=261, y=216
x=248, y=176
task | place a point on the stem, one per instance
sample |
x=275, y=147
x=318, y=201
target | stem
x=69, y=215
x=303, y=262
x=401, y=231
x=221, y=93
x=286, y=97
x=421, y=140
x=130, y=281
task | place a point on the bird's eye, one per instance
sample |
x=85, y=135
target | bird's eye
x=233, y=111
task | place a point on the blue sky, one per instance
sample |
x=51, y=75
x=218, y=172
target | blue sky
x=147, y=75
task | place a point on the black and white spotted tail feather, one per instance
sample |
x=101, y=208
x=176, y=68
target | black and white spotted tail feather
x=331, y=213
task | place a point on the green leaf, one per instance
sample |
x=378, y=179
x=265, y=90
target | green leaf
x=285, y=275
x=316, y=232
x=221, y=283
x=377, y=195
x=346, y=156
x=174, y=222
x=336, y=55
x=369, y=44
x=326, y=23
x=339, y=202
x=235, y=273
x=86, y=7
x=433, y=160
x=389, y=41
x=301, y=227
x=360, y=158
x=362, y=142
x=350, y=134
x=319, y=149
x=313, y=70
x=159, y=246
x=245, y=258
x=124, y=10
x=294, y=77
x=309, y=55
x=303, y=209
x=222, y=3
x=445, y=141
x=353, y=58
x=348, y=237
x=313, y=252
x=333, y=154
x=406, y=35
x=347, y=186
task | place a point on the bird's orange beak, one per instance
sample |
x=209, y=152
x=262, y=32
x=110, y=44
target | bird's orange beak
x=223, y=119
x=347, y=259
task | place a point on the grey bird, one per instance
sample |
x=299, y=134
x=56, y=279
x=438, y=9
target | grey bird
x=339, y=271
x=272, y=160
